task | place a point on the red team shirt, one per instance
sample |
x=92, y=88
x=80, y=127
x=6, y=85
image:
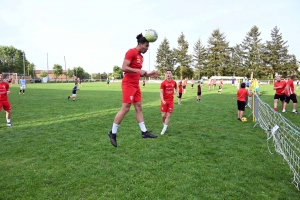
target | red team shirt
x=291, y=84
x=179, y=88
x=168, y=95
x=4, y=87
x=130, y=83
x=136, y=61
x=280, y=90
x=242, y=94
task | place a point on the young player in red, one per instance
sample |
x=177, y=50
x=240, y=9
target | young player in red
x=242, y=93
x=179, y=92
x=290, y=95
x=131, y=93
x=279, y=86
x=4, y=91
x=167, y=88
x=220, y=86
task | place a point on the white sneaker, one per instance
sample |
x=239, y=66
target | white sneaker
x=163, y=132
x=283, y=111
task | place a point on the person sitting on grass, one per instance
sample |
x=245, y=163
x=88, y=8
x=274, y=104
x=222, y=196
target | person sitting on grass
x=242, y=93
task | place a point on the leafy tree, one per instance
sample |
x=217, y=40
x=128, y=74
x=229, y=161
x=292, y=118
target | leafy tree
x=217, y=57
x=31, y=69
x=69, y=73
x=117, y=72
x=78, y=72
x=86, y=75
x=43, y=74
x=199, y=57
x=253, y=52
x=103, y=75
x=57, y=70
x=11, y=60
x=165, y=58
x=276, y=57
x=182, y=57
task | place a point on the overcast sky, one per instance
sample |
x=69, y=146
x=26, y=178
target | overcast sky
x=95, y=34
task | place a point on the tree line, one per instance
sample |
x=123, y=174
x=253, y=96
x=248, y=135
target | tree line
x=264, y=60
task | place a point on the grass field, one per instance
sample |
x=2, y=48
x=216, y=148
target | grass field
x=59, y=149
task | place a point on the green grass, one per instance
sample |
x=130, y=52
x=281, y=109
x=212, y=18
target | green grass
x=59, y=149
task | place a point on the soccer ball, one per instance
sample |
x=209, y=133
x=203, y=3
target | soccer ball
x=151, y=35
x=244, y=119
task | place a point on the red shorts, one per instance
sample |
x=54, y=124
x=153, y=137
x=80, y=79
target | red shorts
x=131, y=93
x=6, y=105
x=168, y=107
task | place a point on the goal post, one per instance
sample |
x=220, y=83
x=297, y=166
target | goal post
x=10, y=77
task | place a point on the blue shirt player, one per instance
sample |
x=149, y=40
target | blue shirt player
x=22, y=85
x=75, y=88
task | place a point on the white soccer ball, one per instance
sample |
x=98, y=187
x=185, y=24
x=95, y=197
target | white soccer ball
x=151, y=35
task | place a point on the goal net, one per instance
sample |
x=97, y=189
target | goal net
x=10, y=77
x=284, y=135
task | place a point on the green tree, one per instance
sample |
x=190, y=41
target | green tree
x=253, y=52
x=57, y=70
x=31, y=69
x=183, y=58
x=69, y=73
x=199, y=57
x=276, y=57
x=11, y=60
x=165, y=58
x=117, y=72
x=43, y=74
x=78, y=72
x=217, y=57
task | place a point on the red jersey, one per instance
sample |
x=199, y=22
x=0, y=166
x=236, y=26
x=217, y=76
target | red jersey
x=179, y=88
x=168, y=88
x=241, y=94
x=291, y=84
x=280, y=91
x=4, y=87
x=136, y=61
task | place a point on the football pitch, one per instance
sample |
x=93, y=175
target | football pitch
x=59, y=149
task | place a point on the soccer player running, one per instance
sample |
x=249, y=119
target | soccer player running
x=75, y=88
x=4, y=91
x=22, y=85
x=199, y=92
x=131, y=93
x=242, y=93
x=192, y=83
x=290, y=95
x=179, y=92
x=279, y=86
x=167, y=88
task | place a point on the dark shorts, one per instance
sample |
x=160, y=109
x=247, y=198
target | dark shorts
x=291, y=97
x=192, y=85
x=144, y=84
x=183, y=87
x=280, y=97
x=198, y=93
x=180, y=95
x=220, y=87
x=241, y=105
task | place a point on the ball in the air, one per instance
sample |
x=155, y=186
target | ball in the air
x=244, y=119
x=151, y=35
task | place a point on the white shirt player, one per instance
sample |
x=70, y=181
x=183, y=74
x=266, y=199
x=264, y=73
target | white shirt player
x=22, y=84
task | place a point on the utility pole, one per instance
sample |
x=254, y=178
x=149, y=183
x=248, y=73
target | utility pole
x=65, y=68
x=24, y=63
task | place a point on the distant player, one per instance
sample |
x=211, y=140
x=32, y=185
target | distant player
x=199, y=92
x=209, y=84
x=279, y=86
x=184, y=83
x=247, y=83
x=167, y=88
x=75, y=88
x=4, y=91
x=179, y=89
x=192, y=83
x=232, y=81
x=220, y=86
x=22, y=85
x=214, y=83
x=144, y=83
x=107, y=81
x=79, y=82
x=242, y=93
x=290, y=95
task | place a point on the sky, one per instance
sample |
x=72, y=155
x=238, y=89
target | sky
x=96, y=34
